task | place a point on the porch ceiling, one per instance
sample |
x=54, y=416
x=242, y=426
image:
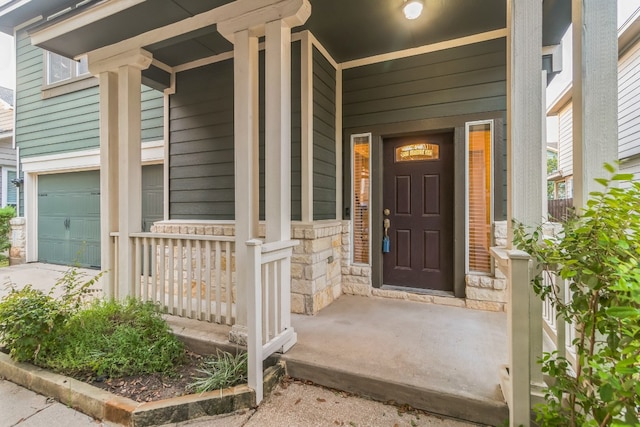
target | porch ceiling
x=348, y=29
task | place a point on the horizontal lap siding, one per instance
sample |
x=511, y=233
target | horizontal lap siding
x=201, y=172
x=464, y=80
x=201, y=163
x=68, y=122
x=324, y=136
x=565, y=140
x=628, y=106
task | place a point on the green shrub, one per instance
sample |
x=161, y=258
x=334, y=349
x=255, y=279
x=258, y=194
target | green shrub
x=30, y=320
x=221, y=371
x=598, y=254
x=101, y=339
x=6, y=214
x=114, y=339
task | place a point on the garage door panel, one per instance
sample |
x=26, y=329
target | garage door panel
x=69, y=214
x=69, y=218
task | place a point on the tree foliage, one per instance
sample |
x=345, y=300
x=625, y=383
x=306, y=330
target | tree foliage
x=598, y=255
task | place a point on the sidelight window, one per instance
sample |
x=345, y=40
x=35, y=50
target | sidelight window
x=361, y=197
x=479, y=206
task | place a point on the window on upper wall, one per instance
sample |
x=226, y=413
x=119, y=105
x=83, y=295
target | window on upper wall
x=61, y=69
x=479, y=195
x=360, y=197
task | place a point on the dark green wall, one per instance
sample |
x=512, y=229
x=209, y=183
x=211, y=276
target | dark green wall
x=464, y=81
x=68, y=122
x=201, y=161
x=324, y=138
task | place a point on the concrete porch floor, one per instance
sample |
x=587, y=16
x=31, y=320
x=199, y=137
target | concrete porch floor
x=438, y=358
x=441, y=359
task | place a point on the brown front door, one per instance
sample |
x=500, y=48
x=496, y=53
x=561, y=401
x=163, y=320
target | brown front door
x=418, y=194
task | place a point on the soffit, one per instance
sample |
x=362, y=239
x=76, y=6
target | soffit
x=348, y=29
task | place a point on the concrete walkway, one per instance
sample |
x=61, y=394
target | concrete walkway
x=40, y=276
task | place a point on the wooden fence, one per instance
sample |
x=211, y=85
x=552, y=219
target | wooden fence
x=559, y=209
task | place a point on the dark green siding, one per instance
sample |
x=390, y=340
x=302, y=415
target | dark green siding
x=68, y=122
x=464, y=80
x=201, y=156
x=324, y=137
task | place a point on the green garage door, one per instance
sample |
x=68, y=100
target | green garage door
x=69, y=219
x=69, y=214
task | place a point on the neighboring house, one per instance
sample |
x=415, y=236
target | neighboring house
x=628, y=109
x=57, y=133
x=8, y=191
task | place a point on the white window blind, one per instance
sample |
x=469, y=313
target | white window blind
x=361, y=197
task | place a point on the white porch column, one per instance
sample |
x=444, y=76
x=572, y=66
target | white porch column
x=524, y=201
x=130, y=176
x=120, y=160
x=245, y=67
x=278, y=131
x=108, y=177
x=595, y=93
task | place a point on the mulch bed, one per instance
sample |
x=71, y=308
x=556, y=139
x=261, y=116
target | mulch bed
x=152, y=387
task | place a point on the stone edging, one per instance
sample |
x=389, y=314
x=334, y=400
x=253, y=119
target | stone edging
x=106, y=406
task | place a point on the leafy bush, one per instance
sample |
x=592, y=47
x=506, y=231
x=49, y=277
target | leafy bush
x=101, y=339
x=6, y=214
x=114, y=339
x=598, y=254
x=221, y=371
x=30, y=320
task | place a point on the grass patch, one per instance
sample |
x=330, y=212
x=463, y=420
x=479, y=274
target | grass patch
x=221, y=371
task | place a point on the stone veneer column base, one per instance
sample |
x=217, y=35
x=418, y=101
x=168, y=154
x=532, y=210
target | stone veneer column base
x=316, y=279
x=17, y=252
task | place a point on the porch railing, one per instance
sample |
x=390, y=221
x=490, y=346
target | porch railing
x=188, y=275
x=559, y=334
x=530, y=322
x=269, y=305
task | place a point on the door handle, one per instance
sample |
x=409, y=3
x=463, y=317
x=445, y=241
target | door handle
x=67, y=223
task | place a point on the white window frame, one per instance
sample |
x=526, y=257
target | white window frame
x=6, y=184
x=468, y=125
x=75, y=75
x=368, y=135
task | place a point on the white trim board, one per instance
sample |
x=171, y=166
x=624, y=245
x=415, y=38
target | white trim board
x=152, y=153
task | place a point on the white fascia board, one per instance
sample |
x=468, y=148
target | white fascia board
x=152, y=153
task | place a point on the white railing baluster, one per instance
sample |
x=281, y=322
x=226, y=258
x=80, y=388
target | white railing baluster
x=218, y=282
x=230, y=284
x=166, y=272
x=137, y=285
x=198, y=280
x=188, y=289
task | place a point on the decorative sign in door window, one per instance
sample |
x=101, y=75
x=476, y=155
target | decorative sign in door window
x=417, y=152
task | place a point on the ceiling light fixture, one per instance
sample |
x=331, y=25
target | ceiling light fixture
x=412, y=8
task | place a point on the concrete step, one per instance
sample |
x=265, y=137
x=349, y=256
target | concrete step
x=455, y=405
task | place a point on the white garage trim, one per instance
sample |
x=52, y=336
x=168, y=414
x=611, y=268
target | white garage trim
x=152, y=153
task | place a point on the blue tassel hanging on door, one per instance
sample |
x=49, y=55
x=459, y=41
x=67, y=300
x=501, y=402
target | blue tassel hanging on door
x=386, y=245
